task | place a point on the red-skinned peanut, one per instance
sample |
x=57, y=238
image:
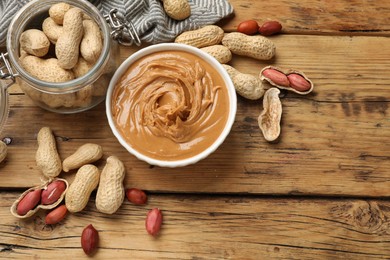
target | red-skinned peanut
x=248, y=27
x=89, y=240
x=56, y=215
x=136, y=196
x=29, y=202
x=52, y=192
x=298, y=82
x=277, y=77
x=270, y=28
x=154, y=221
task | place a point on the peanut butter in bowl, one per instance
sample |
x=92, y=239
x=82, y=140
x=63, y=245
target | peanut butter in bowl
x=171, y=105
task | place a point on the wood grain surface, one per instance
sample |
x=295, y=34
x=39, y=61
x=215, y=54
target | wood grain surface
x=321, y=192
x=315, y=16
x=199, y=227
x=336, y=139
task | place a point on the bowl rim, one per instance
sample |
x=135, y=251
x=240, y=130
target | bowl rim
x=173, y=47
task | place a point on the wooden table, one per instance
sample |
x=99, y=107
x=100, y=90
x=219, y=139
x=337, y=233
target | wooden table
x=321, y=192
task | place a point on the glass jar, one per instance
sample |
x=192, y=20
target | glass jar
x=73, y=96
x=4, y=108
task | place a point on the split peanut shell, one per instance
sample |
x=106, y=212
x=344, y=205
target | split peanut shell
x=37, y=208
x=269, y=119
x=295, y=78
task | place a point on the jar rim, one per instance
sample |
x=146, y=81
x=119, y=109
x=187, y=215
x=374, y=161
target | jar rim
x=72, y=85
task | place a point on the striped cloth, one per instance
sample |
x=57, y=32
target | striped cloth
x=148, y=16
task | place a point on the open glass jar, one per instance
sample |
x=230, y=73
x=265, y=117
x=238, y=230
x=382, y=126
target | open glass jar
x=3, y=104
x=72, y=96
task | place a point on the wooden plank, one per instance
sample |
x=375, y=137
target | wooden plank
x=202, y=227
x=339, y=155
x=315, y=16
x=343, y=69
x=334, y=141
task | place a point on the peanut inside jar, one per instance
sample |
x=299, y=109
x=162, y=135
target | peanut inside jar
x=170, y=105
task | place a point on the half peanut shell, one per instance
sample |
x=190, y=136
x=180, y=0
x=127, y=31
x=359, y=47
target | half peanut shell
x=39, y=206
x=286, y=73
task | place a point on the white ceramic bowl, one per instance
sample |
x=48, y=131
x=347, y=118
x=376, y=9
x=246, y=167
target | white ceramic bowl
x=174, y=47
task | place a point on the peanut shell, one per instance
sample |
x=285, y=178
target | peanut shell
x=86, y=180
x=47, y=157
x=177, y=9
x=287, y=73
x=68, y=44
x=45, y=70
x=257, y=47
x=57, y=12
x=246, y=85
x=34, y=42
x=269, y=119
x=111, y=192
x=221, y=53
x=85, y=154
x=51, y=29
x=203, y=37
x=81, y=68
x=92, y=42
x=3, y=151
x=36, y=209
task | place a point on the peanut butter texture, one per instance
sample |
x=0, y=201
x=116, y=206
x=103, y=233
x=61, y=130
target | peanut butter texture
x=170, y=105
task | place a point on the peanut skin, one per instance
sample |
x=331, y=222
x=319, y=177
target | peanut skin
x=298, y=82
x=111, y=192
x=270, y=28
x=136, y=196
x=47, y=157
x=45, y=196
x=248, y=27
x=291, y=80
x=153, y=221
x=56, y=215
x=277, y=77
x=89, y=240
x=28, y=202
x=53, y=192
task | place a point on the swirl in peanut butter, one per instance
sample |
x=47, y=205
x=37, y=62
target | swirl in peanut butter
x=170, y=105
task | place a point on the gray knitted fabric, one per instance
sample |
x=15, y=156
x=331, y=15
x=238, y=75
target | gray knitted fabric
x=148, y=16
